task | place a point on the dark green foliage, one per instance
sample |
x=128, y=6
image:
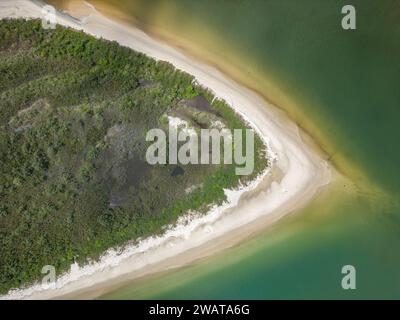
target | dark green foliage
x=73, y=181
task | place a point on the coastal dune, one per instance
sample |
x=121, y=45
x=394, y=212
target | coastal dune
x=296, y=174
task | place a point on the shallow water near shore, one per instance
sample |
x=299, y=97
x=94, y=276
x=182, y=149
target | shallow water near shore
x=300, y=257
x=342, y=88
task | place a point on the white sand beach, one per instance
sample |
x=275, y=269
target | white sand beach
x=297, y=174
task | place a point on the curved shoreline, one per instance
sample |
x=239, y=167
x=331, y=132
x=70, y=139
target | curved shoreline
x=303, y=173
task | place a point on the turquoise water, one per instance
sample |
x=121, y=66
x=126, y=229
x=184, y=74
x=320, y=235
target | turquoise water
x=299, y=258
x=347, y=85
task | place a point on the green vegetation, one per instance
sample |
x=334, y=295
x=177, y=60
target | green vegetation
x=74, y=111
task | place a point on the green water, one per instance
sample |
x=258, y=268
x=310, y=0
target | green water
x=299, y=258
x=345, y=83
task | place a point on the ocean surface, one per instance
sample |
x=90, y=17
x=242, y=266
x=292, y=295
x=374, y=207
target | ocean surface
x=343, y=88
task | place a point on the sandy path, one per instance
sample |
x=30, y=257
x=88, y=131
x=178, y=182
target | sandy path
x=297, y=174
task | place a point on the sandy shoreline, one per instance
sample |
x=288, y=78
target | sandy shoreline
x=297, y=174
